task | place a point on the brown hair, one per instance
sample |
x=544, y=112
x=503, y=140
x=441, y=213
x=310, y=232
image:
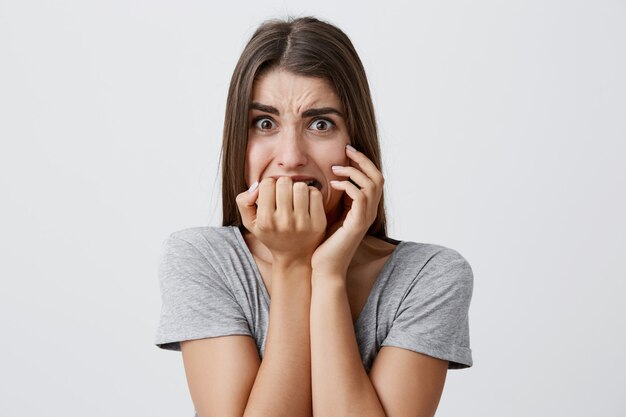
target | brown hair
x=309, y=47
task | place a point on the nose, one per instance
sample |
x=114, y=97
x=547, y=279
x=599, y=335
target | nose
x=291, y=152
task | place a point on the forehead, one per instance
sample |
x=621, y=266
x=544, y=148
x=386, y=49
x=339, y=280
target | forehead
x=282, y=88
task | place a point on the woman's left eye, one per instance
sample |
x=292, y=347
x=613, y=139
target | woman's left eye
x=322, y=125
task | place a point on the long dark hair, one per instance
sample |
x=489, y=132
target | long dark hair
x=309, y=47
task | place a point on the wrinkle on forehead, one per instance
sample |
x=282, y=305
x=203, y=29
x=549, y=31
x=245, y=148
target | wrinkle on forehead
x=292, y=94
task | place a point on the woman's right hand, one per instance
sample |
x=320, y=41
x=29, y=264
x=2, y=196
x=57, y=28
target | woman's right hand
x=286, y=217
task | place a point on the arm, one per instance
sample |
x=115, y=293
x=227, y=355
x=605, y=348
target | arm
x=220, y=372
x=283, y=383
x=227, y=379
x=403, y=383
x=282, y=219
x=340, y=385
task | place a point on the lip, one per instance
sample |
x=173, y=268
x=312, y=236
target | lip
x=296, y=178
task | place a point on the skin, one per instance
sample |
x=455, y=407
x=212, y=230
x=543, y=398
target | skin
x=303, y=232
x=291, y=222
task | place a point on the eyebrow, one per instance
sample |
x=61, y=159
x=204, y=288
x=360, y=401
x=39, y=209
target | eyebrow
x=306, y=113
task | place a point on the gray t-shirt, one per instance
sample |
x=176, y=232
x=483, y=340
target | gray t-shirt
x=211, y=286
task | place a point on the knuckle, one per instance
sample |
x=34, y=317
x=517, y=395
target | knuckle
x=281, y=219
x=373, y=191
x=264, y=222
x=265, y=182
x=301, y=224
x=285, y=226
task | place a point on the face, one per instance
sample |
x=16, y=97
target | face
x=296, y=128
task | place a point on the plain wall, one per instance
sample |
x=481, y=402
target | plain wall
x=504, y=137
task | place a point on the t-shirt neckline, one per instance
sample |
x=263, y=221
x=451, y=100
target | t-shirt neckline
x=370, y=296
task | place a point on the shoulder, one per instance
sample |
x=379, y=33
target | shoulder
x=202, y=235
x=429, y=263
x=435, y=296
x=428, y=253
x=205, y=240
x=197, y=256
x=202, y=247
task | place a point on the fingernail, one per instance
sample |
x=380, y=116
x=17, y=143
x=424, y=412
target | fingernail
x=334, y=167
x=253, y=186
x=350, y=148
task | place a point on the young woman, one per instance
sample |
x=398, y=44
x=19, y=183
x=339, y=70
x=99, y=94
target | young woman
x=299, y=304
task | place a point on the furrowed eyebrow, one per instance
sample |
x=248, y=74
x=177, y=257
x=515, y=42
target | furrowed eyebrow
x=319, y=112
x=306, y=113
x=265, y=108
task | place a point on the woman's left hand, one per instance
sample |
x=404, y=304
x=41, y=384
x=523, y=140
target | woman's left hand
x=333, y=256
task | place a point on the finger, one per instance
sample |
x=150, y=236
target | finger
x=301, y=203
x=365, y=164
x=246, y=202
x=284, y=195
x=266, y=202
x=359, y=178
x=359, y=200
x=316, y=207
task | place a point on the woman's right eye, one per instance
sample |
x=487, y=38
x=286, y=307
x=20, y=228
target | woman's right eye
x=263, y=123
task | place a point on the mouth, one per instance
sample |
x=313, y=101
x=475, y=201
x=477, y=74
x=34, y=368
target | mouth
x=310, y=181
x=314, y=183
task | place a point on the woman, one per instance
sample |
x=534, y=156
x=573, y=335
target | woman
x=359, y=324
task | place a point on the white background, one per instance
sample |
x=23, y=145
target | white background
x=503, y=126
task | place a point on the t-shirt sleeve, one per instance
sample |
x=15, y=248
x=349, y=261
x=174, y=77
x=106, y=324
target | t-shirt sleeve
x=197, y=303
x=433, y=316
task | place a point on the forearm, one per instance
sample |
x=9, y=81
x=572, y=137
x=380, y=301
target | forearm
x=283, y=383
x=340, y=385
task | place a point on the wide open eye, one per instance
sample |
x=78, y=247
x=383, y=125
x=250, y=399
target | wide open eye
x=263, y=123
x=323, y=125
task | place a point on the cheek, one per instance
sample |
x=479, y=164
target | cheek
x=257, y=159
x=334, y=153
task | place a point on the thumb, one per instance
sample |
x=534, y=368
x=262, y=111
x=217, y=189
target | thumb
x=246, y=202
